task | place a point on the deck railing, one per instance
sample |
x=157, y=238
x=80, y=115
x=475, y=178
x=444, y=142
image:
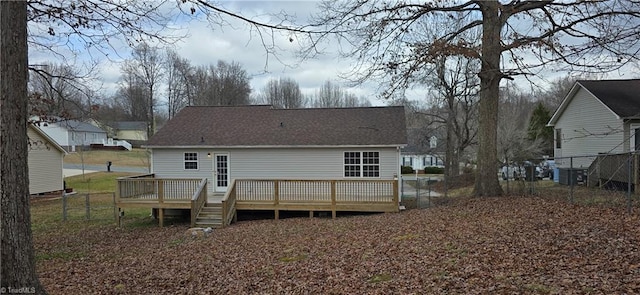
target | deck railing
x=147, y=188
x=198, y=200
x=229, y=205
x=345, y=195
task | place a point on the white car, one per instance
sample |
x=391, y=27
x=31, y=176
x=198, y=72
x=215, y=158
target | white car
x=518, y=171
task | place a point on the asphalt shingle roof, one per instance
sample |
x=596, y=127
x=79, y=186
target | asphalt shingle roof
x=265, y=126
x=74, y=125
x=621, y=96
x=129, y=125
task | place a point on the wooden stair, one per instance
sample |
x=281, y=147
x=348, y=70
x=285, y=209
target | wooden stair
x=210, y=216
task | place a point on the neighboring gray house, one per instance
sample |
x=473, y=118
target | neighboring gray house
x=71, y=134
x=600, y=116
x=259, y=142
x=45, y=162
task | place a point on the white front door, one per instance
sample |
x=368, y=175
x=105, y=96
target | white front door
x=221, y=172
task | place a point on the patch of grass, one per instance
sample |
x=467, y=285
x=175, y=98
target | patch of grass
x=291, y=256
x=95, y=182
x=176, y=242
x=119, y=288
x=538, y=288
x=380, y=278
x=453, y=248
x=136, y=157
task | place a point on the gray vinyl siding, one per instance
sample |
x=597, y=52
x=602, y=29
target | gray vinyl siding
x=271, y=163
x=588, y=128
x=45, y=165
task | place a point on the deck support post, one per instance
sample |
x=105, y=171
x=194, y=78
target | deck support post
x=119, y=217
x=311, y=214
x=277, y=214
x=161, y=216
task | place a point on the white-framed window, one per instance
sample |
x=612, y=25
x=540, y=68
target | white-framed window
x=558, y=138
x=407, y=161
x=190, y=161
x=361, y=164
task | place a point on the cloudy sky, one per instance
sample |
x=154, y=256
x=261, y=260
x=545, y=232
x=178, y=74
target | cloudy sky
x=205, y=44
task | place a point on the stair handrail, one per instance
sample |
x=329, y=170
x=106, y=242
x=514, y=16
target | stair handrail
x=198, y=200
x=229, y=204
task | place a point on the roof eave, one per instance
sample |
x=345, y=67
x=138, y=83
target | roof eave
x=270, y=146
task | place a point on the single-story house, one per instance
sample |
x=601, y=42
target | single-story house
x=421, y=150
x=132, y=131
x=596, y=116
x=71, y=133
x=214, y=160
x=260, y=142
x=419, y=161
x=45, y=162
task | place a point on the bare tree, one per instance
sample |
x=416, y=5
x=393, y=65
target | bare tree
x=331, y=95
x=219, y=85
x=132, y=96
x=590, y=36
x=456, y=95
x=146, y=65
x=231, y=84
x=57, y=90
x=178, y=71
x=283, y=93
x=513, y=141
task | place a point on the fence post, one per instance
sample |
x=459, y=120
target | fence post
x=635, y=173
x=64, y=206
x=446, y=189
x=401, y=186
x=87, y=205
x=571, y=179
x=429, y=192
x=115, y=210
x=629, y=164
x=418, y=199
x=507, y=175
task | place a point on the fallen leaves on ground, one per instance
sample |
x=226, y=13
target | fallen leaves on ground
x=477, y=246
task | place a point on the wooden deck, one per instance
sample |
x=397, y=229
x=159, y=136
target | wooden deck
x=258, y=194
x=146, y=191
x=317, y=195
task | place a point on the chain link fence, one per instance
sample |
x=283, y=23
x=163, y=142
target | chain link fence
x=603, y=179
x=606, y=179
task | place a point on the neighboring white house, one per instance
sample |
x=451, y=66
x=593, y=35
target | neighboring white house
x=45, y=162
x=421, y=150
x=259, y=142
x=601, y=116
x=421, y=161
x=71, y=133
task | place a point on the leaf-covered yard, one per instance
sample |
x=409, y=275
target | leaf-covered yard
x=477, y=246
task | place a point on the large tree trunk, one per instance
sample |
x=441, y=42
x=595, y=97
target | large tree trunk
x=18, y=271
x=486, y=183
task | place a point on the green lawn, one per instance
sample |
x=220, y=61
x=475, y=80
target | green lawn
x=136, y=157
